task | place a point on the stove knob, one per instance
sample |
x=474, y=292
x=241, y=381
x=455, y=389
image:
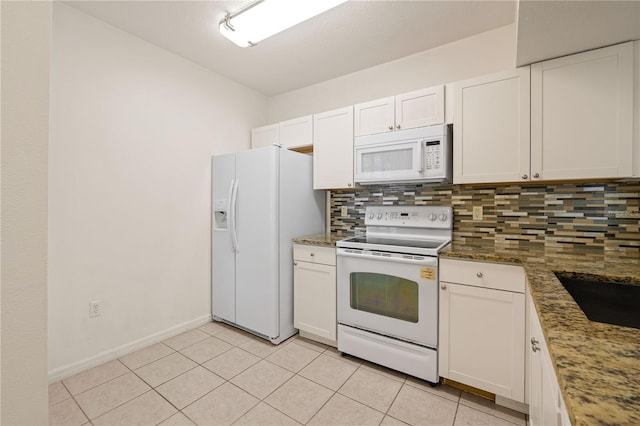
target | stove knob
x=432, y=216
x=370, y=215
x=443, y=216
x=379, y=215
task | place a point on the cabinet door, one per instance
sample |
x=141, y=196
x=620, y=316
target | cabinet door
x=333, y=149
x=482, y=338
x=546, y=406
x=265, y=136
x=420, y=108
x=582, y=115
x=314, y=299
x=297, y=132
x=535, y=368
x=491, y=128
x=374, y=117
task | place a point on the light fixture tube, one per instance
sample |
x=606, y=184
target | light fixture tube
x=264, y=18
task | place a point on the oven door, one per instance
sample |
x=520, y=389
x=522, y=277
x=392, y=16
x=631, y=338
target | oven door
x=391, y=294
x=391, y=161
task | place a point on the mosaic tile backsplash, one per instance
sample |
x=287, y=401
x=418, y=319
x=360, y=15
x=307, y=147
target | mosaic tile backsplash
x=563, y=219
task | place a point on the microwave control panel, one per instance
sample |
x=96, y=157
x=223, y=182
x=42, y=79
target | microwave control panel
x=433, y=155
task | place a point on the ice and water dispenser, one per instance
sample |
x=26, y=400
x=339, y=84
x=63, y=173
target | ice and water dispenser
x=220, y=214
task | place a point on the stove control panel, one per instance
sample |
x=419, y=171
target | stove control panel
x=409, y=216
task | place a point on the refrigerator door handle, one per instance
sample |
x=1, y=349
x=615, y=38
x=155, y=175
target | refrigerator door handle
x=232, y=215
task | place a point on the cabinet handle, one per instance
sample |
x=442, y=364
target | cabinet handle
x=390, y=127
x=534, y=345
x=443, y=286
x=537, y=175
x=525, y=177
x=535, y=348
x=397, y=126
x=479, y=275
x=295, y=263
x=312, y=254
x=349, y=185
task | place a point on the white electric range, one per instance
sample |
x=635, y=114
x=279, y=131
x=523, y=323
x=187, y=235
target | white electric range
x=387, y=288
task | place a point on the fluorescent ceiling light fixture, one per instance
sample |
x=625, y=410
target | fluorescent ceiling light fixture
x=264, y=18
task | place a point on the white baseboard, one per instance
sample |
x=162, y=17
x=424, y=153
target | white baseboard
x=514, y=405
x=317, y=338
x=111, y=354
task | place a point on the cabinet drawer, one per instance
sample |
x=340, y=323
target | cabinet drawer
x=315, y=254
x=481, y=274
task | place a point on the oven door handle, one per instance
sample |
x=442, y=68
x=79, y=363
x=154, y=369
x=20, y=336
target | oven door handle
x=357, y=254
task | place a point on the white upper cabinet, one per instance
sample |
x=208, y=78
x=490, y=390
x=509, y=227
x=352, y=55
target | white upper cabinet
x=374, y=117
x=265, y=136
x=297, y=133
x=491, y=128
x=407, y=111
x=294, y=133
x=333, y=149
x=420, y=108
x=582, y=115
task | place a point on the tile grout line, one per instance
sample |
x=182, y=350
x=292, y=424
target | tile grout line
x=93, y=387
x=317, y=354
x=455, y=414
x=493, y=415
x=77, y=403
x=151, y=388
x=395, y=397
x=150, y=362
x=197, y=365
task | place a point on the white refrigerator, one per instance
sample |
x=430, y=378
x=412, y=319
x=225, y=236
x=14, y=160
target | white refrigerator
x=262, y=198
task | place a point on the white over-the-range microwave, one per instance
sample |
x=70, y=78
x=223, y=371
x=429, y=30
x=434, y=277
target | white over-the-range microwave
x=416, y=155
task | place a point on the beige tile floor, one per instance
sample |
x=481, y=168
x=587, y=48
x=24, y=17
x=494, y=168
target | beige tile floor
x=218, y=375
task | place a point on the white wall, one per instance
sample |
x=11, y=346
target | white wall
x=132, y=131
x=26, y=48
x=474, y=56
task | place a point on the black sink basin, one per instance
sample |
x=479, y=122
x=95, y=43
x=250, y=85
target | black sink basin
x=605, y=301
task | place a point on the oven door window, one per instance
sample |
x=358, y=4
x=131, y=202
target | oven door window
x=385, y=295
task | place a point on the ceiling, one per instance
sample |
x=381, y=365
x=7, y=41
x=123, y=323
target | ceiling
x=353, y=36
x=550, y=29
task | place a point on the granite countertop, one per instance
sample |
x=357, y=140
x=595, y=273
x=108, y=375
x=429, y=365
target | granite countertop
x=597, y=365
x=326, y=240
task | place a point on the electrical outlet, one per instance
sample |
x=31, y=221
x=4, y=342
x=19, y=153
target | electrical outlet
x=94, y=309
x=477, y=212
x=344, y=211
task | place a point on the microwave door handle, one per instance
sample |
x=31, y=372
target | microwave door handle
x=418, y=158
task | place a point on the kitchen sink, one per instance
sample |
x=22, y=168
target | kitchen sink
x=605, y=301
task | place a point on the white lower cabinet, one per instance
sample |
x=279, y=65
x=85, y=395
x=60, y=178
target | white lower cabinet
x=482, y=326
x=546, y=405
x=314, y=292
